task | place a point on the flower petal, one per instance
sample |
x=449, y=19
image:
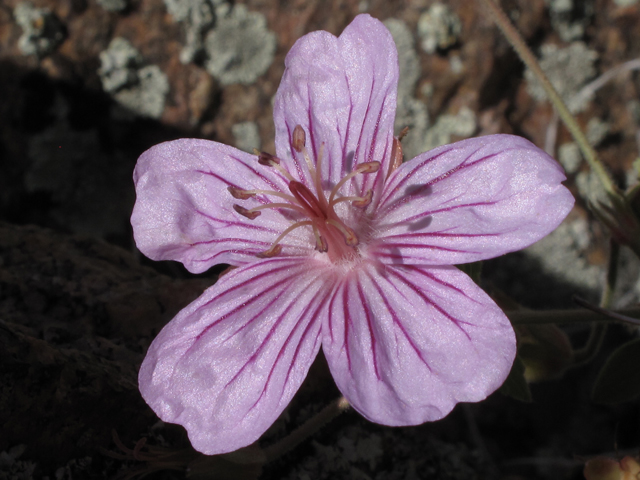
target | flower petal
x=184, y=211
x=227, y=365
x=406, y=343
x=342, y=91
x=472, y=200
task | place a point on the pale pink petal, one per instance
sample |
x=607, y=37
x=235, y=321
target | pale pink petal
x=342, y=91
x=472, y=200
x=229, y=363
x=184, y=211
x=406, y=343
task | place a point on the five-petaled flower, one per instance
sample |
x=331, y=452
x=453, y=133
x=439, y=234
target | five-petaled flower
x=337, y=245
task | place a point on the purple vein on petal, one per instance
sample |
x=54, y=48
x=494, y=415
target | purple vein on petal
x=367, y=313
x=345, y=140
x=333, y=298
x=441, y=235
x=461, y=166
x=430, y=212
x=396, y=319
x=309, y=324
x=408, y=175
x=269, y=335
x=432, y=277
x=347, y=321
x=401, y=246
x=229, y=223
x=242, y=285
x=428, y=301
x=224, y=240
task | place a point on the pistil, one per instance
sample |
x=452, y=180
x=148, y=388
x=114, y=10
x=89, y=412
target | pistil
x=332, y=235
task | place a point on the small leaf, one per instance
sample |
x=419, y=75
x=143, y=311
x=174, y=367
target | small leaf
x=545, y=351
x=619, y=379
x=515, y=386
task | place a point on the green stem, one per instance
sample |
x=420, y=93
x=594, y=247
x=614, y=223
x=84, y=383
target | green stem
x=567, y=317
x=599, y=330
x=529, y=59
x=307, y=429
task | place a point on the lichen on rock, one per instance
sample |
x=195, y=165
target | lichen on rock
x=410, y=112
x=240, y=48
x=141, y=89
x=198, y=17
x=246, y=135
x=568, y=70
x=438, y=28
x=42, y=30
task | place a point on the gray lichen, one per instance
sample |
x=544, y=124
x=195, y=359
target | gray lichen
x=141, y=89
x=570, y=157
x=568, y=70
x=240, y=48
x=597, y=130
x=562, y=254
x=462, y=124
x=570, y=18
x=42, y=31
x=411, y=112
x=247, y=136
x=114, y=5
x=438, y=28
x=119, y=65
x=198, y=17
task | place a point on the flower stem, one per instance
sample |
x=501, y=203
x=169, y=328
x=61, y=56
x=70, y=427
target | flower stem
x=529, y=59
x=599, y=330
x=567, y=317
x=304, y=431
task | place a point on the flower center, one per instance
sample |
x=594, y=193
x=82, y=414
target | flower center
x=332, y=235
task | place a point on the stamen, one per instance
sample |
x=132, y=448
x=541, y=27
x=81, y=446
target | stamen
x=396, y=152
x=364, y=200
x=299, y=138
x=367, y=167
x=321, y=243
x=272, y=252
x=275, y=248
x=245, y=194
x=240, y=194
x=350, y=236
x=269, y=160
x=357, y=201
x=246, y=213
x=276, y=205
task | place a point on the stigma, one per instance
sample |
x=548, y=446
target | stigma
x=316, y=210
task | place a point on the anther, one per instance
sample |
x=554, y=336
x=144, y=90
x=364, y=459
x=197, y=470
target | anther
x=267, y=159
x=364, y=200
x=350, y=237
x=367, y=167
x=240, y=194
x=396, y=152
x=272, y=252
x=321, y=242
x=299, y=138
x=251, y=215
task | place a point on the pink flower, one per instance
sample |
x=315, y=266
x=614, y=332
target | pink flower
x=336, y=246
